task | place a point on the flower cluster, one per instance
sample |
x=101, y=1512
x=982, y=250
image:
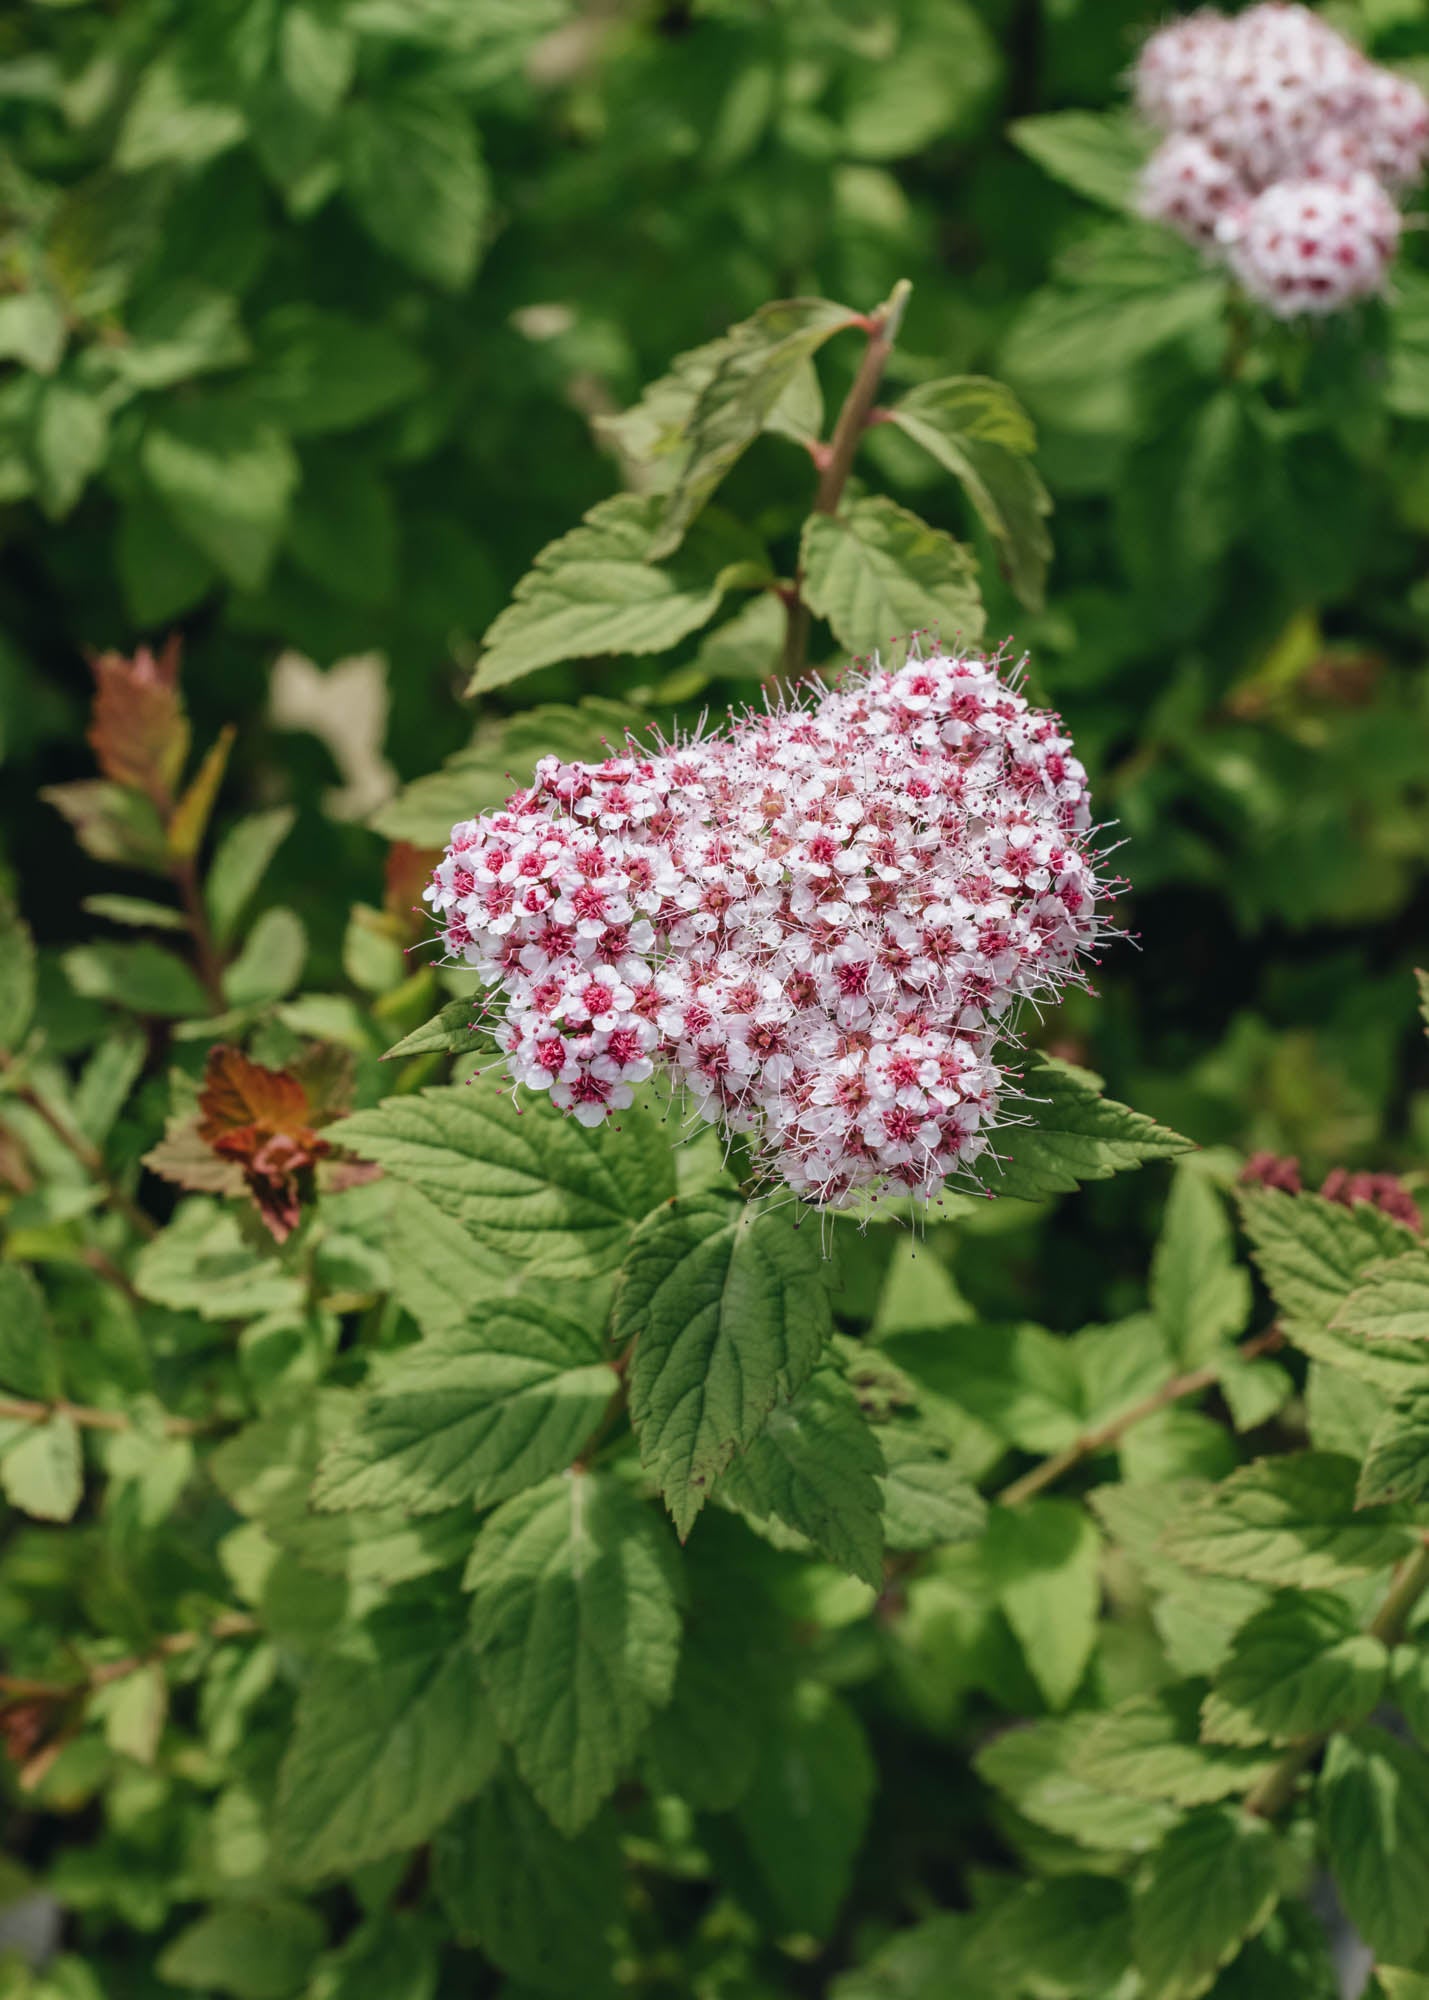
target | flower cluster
x=819, y=921
x=1285, y=146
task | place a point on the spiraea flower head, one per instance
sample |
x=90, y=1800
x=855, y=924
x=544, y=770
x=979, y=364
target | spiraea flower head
x=821, y=922
x=1256, y=105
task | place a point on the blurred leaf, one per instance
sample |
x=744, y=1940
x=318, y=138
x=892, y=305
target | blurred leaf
x=1043, y=1560
x=1212, y=1883
x=226, y=476
x=143, y=977
x=1372, y=1804
x=1098, y=153
x=239, y=864
x=254, y=1951
x=42, y=1469
x=1289, y=1521
x=70, y=438
x=1396, y=1466
x=805, y=1814
x=319, y=371
x=271, y=961
x=17, y=975
x=413, y=174
x=1301, y=1667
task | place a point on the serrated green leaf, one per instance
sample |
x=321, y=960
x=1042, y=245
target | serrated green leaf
x=1300, y=1667
x=412, y=170
x=392, y=1733
x=1312, y=1253
x=1099, y=153
x=253, y=1951
x=526, y=1184
x=814, y=1466
x=1035, y=1766
x=449, y=1032
x=29, y=1350
x=1073, y=1134
x=1289, y=1521
x=598, y=590
x=1396, y=1466
x=927, y=1500
x=1212, y=1883
x=539, y=1904
x=1200, y=1295
x=752, y=368
x=804, y=1816
x=1063, y=1939
x=1391, y=1302
x=474, y=1416
x=239, y=864
x=42, y=1469
x=576, y=1624
x=1372, y=1803
x=729, y=1311
x=977, y=430
x=1148, y=1746
x=1043, y=1561
x=17, y=975
x=881, y=577
x=226, y=476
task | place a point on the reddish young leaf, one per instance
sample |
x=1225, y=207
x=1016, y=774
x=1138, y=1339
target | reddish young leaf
x=261, y=1119
x=409, y=869
x=139, y=732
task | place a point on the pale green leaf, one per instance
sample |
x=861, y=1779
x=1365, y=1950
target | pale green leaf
x=1396, y=1466
x=186, y=329
x=1212, y=1883
x=1099, y=153
x=882, y=578
x=598, y=590
x=729, y=1310
x=1312, y=1253
x=1022, y=1382
x=815, y=1466
x=1300, y=1667
x=202, y=1263
x=576, y=1624
x=927, y=1499
x=133, y=1710
x=1391, y=1302
x=526, y=1184
x=977, y=430
x=1290, y=1521
x=1149, y=1747
x=270, y=963
x=239, y=864
x=1043, y=1561
x=253, y=1951
x=32, y=330
x=42, y=1469
x=68, y=443
x=29, y=1350
x=1072, y=1134
x=1035, y=1766
x=474, y=1416
x=804, y=1816
x=1200, y=1295
x=393, y=1732
x=1372, y=1802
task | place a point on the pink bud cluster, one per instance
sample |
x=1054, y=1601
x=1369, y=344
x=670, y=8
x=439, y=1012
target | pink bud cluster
x=819, y=922
x=1285, y=147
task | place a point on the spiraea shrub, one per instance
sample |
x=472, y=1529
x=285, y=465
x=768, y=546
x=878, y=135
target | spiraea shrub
x=596, y=1395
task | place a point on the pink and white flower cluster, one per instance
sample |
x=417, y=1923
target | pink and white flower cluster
x=819, y=921
x=1285, y=148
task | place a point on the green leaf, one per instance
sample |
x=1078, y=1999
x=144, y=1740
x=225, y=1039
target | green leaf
x=239, y=865
x=17, y=975
x=576, y=1623
x=747, y=646
x=1021, y=1381
x=1212, y=1883
x=1043, y=1561
x=413, y=173
x=1372, y=1802
x=143, y=977
x=1200, y=1295
x=1099, y=153
x=1399, y=1983
x=449, y=1032
x=317, y=370
x=394, y=1953
x=344, y=528
x=977, y=430
x=1035, y=1766
x=814, y=1466
x=805, y=1814
x=1311, y=1253
x=270, y=963
x=1073, y=1134
x=729, y=1311
x=1069, y=1936
x=1392, y=1302
x=752, y=367
x=1149, y=1747
x=161, y=574
x=254, y=1951
x=392, y=1733
x=202, y=1263
x=881, y=577
x=1289, y=1521
x=186, y=329
x=68, y=443
x=226, y=476
x=1396, y=1466
x=474, y=1416
x=1300, y=1667
x=29, y=1351
x=136, y=912
x=705, y=1744
x=42, y=1470
x=527, y=1184
x=134, y=1710
x=539, y=1905
x=32, y=331
x=926, y=1498
x=597, y=590
x=933, y=83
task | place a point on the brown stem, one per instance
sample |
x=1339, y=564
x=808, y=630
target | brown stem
x=208, y=963
x=1105, y=1435
x=229, y=1625
x=22, y=1410
x=611, y=1414
x=1270, y=1796
x=835, y=460
x=88, y=1154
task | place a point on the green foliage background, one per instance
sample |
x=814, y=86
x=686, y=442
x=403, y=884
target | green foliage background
x=317, y=324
